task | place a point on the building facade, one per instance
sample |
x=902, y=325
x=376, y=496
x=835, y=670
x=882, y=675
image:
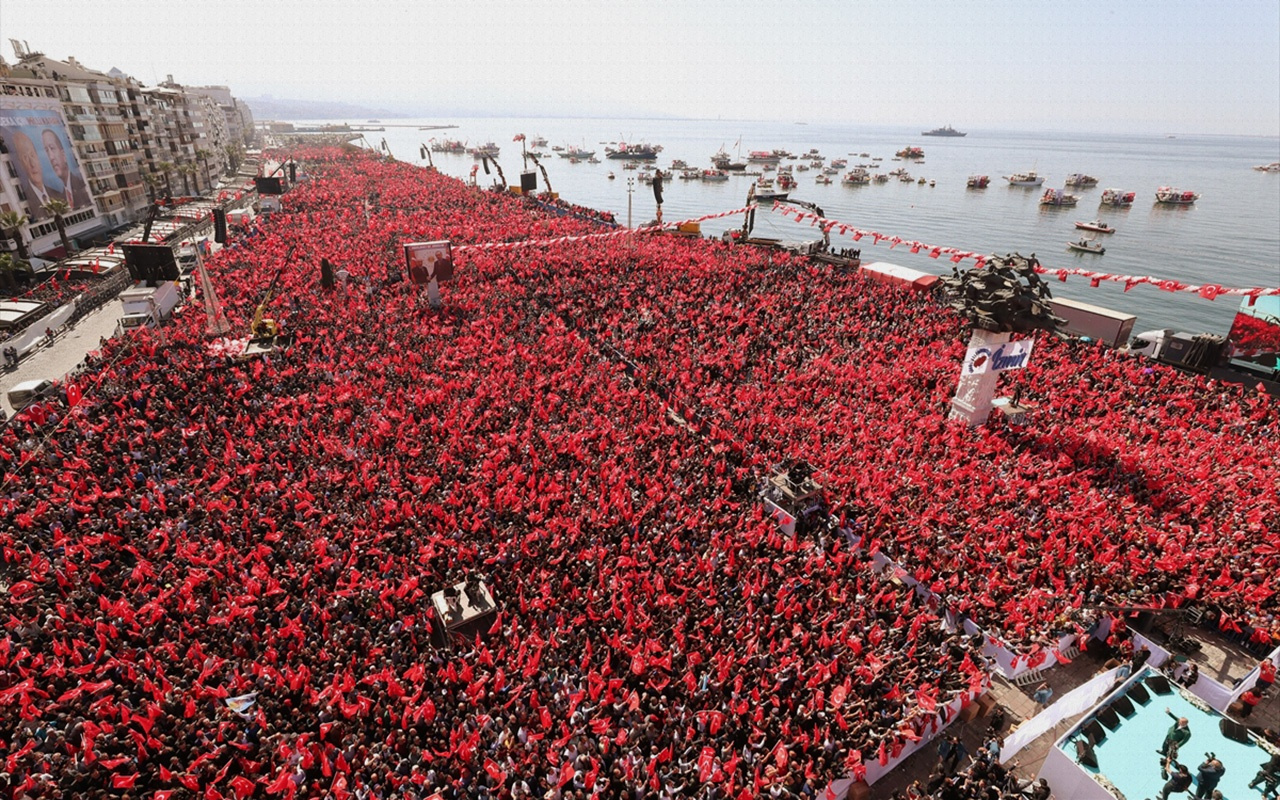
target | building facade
x=125, y=143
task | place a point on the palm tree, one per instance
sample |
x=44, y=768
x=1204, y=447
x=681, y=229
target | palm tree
x=11, y=223
x=235, y=154
x=165, y=168
x=57, y=208
x=203, y=155
x=7, y=268
x=152, y=183
x=185, y=171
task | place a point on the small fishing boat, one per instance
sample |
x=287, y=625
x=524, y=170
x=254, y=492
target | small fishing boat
x=1024, y=179
x=978, y=182
x=1274, y=166
x=1058, y=197
x=1098, y=226
x=1117, y=197
x=714, y=175
x=857, y=177
x=1081, y=181
x=1175, y=197
x=839, y=163
x=611, y=176
x=911, y=152
x=880, y=177
x=823, y=179
x=1086, y=246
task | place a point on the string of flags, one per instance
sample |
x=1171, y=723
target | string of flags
x=1207, y=291
x=666, y=226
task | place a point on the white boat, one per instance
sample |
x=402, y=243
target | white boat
x=1058, y=197
x=714, y=175
x=538, y=141
x=1086, y=246
x=1175, y=197
x=1274, y=166
x=1097, y=226
x=487, y=150
x=580, y=153
x=1024, y=179
x=839, y=163
x=1117, y=197
x=856, y=177
x=611, y=176
x=824, y=179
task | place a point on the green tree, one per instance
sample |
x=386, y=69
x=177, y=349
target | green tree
x=153, y=183
x=57, y=208
x=185, y=171
x=165, y=168
x=12, y=222
x=7, y=270
x=204, y=155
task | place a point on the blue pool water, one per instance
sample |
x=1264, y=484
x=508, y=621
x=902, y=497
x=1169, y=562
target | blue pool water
x=1128, y=757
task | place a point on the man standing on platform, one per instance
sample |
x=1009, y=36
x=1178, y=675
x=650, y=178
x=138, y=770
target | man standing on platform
x=1178, y=735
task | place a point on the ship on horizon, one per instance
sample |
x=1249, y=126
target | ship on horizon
x=945, y=130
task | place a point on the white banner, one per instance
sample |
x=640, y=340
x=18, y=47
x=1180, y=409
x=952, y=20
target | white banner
x=1011, y=355
x=1076, y=701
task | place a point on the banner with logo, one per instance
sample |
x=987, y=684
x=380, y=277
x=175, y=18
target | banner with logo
x=1010, y=355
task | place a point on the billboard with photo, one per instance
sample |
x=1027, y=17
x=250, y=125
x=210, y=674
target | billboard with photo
x=1255, y=334
x=35, y=135
x=427, y=261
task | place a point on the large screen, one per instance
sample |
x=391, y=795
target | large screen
x=1255, y=334
x=35, y=135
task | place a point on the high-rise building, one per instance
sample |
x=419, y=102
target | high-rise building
x=126, y=143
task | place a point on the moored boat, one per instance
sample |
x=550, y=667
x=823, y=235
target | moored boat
x=486, y=150
x=1025, y=179
x=714, y=175
x=822, y=178
x=764, y=156
x=448, y=146
x=1086, y=246
x=1080, y=180
x=856, y=177
x=1175, y=197
x=978, y=182
x=1097, y=226
x=642, y=152
x=580, y=153
x=1058, y=197
x=911, y=152
x=538, y=141
x=839, y=163
x=1117, y=197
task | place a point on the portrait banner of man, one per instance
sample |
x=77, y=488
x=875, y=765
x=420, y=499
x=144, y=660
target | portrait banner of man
x=35, y=134
x=428, y=261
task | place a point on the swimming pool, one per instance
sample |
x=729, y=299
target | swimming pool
x=1127, y=757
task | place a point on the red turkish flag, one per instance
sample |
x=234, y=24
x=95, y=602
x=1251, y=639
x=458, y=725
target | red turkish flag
x=706, y=762
x=123, y=781
x=495, y=772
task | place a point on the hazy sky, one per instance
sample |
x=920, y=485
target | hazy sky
x=1143, y=66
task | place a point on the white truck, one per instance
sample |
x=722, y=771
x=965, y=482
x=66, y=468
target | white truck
x=149, y=305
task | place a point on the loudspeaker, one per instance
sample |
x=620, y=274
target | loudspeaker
x=150, y=262
x=1138, y=693
x=219, y=226
x=1094, y=731
x=268, y=186
x=1085, y=755
x=293, y=172
x=657, y=189
x=1123, y=705
x=1234, y=730
x=1159, y=684
x=528, y=182
x=1109, y=718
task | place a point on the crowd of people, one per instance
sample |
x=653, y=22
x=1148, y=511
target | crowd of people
x=221, y=570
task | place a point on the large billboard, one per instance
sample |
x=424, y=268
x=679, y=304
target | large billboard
x=1255, y=334
x=40, y=150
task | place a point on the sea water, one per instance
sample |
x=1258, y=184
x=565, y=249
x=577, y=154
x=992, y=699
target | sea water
x=1231, y=236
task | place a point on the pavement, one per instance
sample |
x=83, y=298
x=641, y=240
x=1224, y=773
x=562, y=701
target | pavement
x=53, y=362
